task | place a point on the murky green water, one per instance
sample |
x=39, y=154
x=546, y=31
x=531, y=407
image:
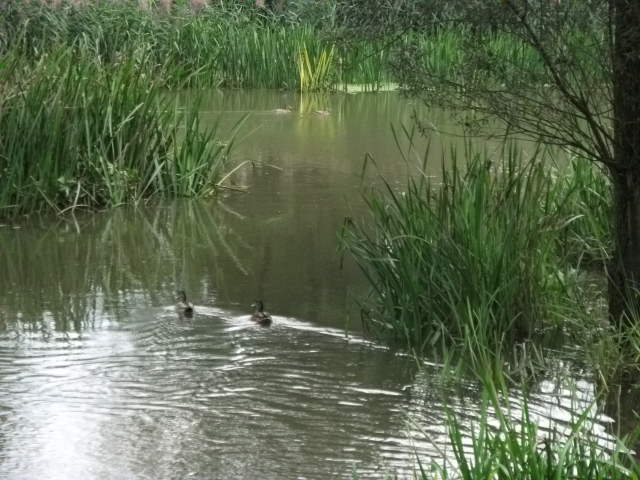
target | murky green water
x=100, y=379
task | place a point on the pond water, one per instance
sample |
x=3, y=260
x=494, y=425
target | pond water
x=100, y=379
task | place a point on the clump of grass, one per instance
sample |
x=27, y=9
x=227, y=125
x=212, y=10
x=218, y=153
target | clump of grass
x=76, y=134
x=224, y=44
x=514, y=447
x=264, y=56
x=587, y=209
x=469, y=260
x=314, y=70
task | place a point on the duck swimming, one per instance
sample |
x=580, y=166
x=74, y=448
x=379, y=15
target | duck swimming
x=259, y=315
x=287, y=109
x=183, y=306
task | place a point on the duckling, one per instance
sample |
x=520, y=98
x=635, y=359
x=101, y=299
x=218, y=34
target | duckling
x=183, y=306
x=259, y=315
x=322, y=113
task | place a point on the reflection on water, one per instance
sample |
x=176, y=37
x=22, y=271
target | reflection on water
x=99, y=378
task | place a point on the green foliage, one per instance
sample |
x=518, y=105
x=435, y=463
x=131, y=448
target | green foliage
x=231, y=45
x=223, y=45
x=517, y=449
x=478, y=258
x=76, y=134
x=586, y=206
x=314, y=72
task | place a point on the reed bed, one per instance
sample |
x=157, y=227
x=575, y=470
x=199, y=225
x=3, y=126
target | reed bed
x=481, y=256
x=507, y=443
x=229, y=46
x=233, y=45
x=586, y=237
x=75, y=134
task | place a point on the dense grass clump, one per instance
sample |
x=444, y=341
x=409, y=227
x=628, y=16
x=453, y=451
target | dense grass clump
x=506, y=443
x=586, y=204
x=232, y=44
x=228, y=44
x=479, y=257
x=74, y=133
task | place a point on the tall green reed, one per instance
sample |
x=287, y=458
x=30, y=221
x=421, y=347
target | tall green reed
x=587, y=235
x=231, y=45
x=75, y=134
x=467, y=260
x=314, y=72
x=224, y=44
x=507, y=443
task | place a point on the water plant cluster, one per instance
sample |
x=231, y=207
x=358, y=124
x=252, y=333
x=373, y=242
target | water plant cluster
x=484, y=264
x=85, y=126
x=489, y=253
x=503, y=251
x=234, y=44
x=230, y=44
x=75, y=134
x=507, y=442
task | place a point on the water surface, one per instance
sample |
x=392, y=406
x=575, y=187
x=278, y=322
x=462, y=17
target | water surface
x=100, y=378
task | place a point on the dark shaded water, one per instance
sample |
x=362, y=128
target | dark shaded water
x=99, y=378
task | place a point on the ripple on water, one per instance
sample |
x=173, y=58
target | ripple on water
x=216, y=396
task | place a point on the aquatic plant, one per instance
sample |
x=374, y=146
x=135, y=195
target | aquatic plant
x=507, y=443
x=471, y=258
x=314, y=70
x=228, y=44
x=75, y=134
x=586, y=203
